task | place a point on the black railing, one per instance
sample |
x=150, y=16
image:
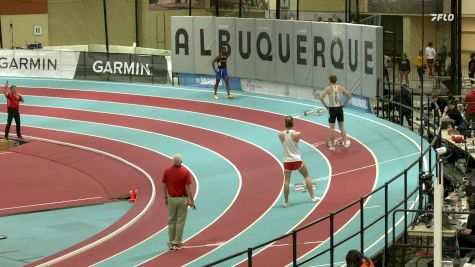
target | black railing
x=388, y=209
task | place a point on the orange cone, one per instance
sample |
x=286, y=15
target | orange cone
x=133, y=194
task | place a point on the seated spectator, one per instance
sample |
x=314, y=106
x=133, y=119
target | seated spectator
x=467, y=236
x=441, y=102
x=451, y=112
x=355, y=259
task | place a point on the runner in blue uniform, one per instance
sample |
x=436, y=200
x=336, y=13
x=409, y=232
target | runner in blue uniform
x=222, y=72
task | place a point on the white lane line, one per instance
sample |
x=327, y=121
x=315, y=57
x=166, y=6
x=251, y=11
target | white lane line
x=372, y=207
x=51, y=203
x=117, y=231
x=217, y=244
x=1, y=153
x=365, y=167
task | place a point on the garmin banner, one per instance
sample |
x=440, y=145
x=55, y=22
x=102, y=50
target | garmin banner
x=122, y=67
x=38, y=63
x=293, y=52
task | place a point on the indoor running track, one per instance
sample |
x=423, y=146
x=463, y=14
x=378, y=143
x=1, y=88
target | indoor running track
x=232, y=149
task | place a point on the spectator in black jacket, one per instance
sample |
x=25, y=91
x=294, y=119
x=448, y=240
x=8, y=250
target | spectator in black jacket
x=441, y=102
x=451, y=112
x=404, y=97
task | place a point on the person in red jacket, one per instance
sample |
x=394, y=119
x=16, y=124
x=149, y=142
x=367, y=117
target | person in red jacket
x=13, y=106
x=354, y=258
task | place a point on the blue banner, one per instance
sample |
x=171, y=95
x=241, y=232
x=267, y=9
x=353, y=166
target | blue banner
x=207, y=81
x=358, y=102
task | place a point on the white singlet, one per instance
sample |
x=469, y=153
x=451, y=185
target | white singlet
x=291, y=148
x=334, y=97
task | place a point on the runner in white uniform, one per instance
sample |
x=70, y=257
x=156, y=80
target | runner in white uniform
x=293, y=160
x=335, y=109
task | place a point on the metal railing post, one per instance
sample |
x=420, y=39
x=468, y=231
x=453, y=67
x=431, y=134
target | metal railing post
x=412, y=111
x=294, y=248
x=385, y=260
x=405, y=208
x=332, y=240
x=362, y=224
x=249, y=252
x=377, y=98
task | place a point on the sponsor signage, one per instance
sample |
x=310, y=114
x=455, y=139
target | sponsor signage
x=291, y=52
x=207, y=81
x=123, y=67
x=118, y=67
x=442, y=17
x=360, y=103
x=38, y=63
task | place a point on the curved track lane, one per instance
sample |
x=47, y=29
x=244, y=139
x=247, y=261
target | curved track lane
x=248, y=204
x=340, y=161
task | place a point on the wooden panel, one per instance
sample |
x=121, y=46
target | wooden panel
x=20, y=7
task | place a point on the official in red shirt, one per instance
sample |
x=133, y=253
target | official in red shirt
x=177, y=192
x=470, y=108
x=13, y=105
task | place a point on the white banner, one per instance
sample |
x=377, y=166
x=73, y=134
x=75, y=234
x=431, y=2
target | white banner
x=285, y=51
x=38, y=63
x=265, y=49
x=321, y=54
x=226, y=37
x=353, y=73
x=372, y=59
x=258, y=50
x=205, y=48
x=183, y=44
x=245, y=48
x=338, y=52
x=303, y=53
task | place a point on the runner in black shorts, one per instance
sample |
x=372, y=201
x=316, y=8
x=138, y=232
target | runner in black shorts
x=335, y=109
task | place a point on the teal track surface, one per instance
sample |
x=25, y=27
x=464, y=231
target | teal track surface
x=54, y=105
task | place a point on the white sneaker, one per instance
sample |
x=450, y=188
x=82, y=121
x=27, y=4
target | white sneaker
x=347, y=144
x=332, y=148
x=285, y=205
x=316, y=199
x=329, y=143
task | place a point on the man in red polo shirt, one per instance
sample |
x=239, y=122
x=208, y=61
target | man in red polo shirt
x=470, y=108
x=13, y=105
x=177, y=192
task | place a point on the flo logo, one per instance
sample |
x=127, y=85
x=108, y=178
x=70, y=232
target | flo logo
x=443, y=17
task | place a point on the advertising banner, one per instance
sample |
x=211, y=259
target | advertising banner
x=205, y=48
x=301, y=53
x=38, y=63
x=246, y=58
x=207, y=81
x=123, y=67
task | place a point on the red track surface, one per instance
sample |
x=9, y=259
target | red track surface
x=249, y=204
x=338, y=195
x=53, y=185
x=149, y=161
